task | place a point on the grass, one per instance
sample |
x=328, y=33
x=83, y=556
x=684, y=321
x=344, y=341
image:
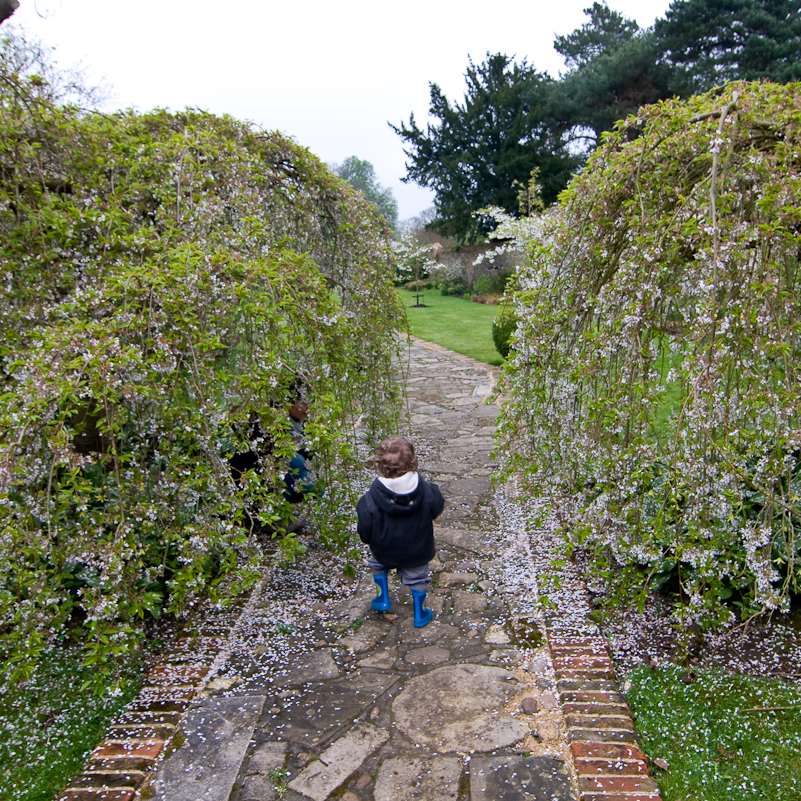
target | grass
x=48, y=726
x=457, y=324
x=723, y=736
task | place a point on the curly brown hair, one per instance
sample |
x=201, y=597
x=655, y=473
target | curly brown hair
x=395, y=457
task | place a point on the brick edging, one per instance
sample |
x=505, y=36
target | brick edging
x=141, y=736
x=608, y=762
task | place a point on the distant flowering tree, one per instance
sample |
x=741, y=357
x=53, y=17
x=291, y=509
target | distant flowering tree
x=168, y=280
x=654, y=390
x=413, y=261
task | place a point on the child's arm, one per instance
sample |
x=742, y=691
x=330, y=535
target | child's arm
x=364, y=525
x=436, y=503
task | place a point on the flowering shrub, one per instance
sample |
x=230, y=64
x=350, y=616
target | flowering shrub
x=166, y=278
x=413, y=261
x=653, y=387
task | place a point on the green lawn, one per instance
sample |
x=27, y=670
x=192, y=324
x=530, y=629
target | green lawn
x=723, y=736
x=48, y=724
x=457, y=324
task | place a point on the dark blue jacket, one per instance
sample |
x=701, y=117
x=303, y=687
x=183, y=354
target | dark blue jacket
x=400, y=528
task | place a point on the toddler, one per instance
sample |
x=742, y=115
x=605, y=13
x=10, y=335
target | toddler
x=396, y=520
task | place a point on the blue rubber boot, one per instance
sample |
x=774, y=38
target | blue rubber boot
x=381, y=601
x=422, y=615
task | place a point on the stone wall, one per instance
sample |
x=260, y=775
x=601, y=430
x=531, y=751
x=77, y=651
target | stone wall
x=467, y=262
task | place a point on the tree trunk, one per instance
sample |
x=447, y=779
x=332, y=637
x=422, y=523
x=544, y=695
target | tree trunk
x=7, y=8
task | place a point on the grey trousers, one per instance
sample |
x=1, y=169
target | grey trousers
x=417, y=577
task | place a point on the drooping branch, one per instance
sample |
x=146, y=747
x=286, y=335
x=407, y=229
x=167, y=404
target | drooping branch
x=7, y=8
x=653, y=380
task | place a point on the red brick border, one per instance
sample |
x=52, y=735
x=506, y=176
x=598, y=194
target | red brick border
x=133, y=745
x=609, y=764
x=136, y=742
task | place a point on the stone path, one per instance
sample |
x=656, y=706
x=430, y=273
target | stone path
x=492, y=700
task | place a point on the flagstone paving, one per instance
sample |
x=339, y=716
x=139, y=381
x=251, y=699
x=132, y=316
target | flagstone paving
x=388, y=711
x=492, y=700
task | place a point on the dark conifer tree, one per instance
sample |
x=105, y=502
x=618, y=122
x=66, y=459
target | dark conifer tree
x=709, y=42
x=480, y=151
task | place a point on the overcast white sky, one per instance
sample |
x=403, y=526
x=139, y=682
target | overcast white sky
x=329, y=74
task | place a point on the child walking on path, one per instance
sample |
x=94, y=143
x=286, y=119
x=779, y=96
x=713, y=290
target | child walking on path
x=396, y=519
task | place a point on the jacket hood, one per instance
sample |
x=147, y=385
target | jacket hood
x=394, y=504
x=402, y=485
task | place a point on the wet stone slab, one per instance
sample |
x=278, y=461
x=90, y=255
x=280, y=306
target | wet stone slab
x=259, y=788
x=456, y=709
x=367, y=636
x=508, y=778
x=430, y=655
x=470, y=486
x=477, y=541
x=464, y=601
x=457, y=579
x=316, y=714
x=462, y=513
x=314, y=666
x=267, y=756
x=434, y=633
x=470, y=650
x=217, y=732
x=257, y=784
x=318, y=666
x=381, y=660
x=339, y=761
x=403, y=779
